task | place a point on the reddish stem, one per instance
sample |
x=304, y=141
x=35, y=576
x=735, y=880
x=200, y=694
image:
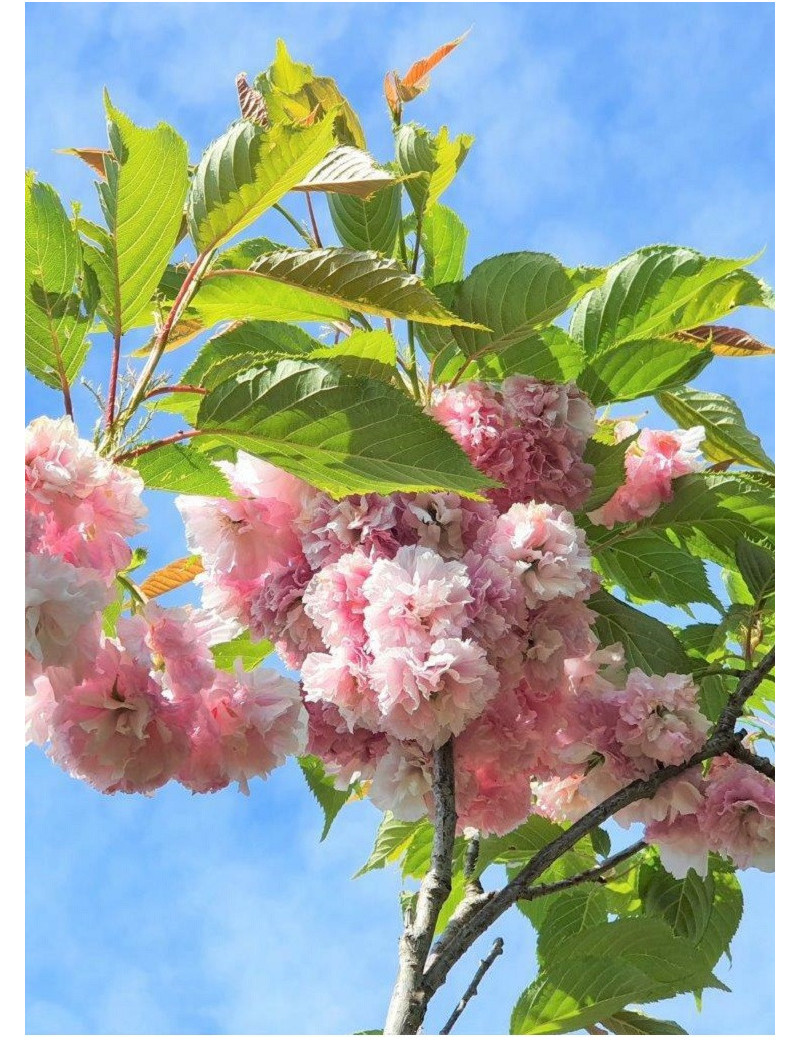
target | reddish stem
x=314, y=227
x=112, y=381
x=152, y=445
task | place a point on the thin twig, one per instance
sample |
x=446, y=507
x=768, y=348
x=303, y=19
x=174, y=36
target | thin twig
x=309, y=241
x=758, y=762
x=314, y=228
x=472, y=989
x=597, y=874
x=181, y=435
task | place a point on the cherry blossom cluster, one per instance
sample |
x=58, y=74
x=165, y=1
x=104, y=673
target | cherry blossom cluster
x=411, y=618
x=131, y=712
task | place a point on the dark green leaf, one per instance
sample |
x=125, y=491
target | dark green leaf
x=638, y=368
x=444, y=245
x=367, y=224
x=648, y=643
x=685, y=904
x=758, y=570
x=650, y=568
x=609, y=469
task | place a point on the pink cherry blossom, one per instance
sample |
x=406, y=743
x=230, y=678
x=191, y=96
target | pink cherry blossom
x=335, y=601
x=651, y=464
x=738, y=814
x=549, y=553
x=403, y=782
x=252, y=722
x=62, y=605
x=414, y=599
x=329, y=529
x=348, y=753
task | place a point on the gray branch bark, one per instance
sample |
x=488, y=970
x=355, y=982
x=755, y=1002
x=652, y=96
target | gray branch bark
x=457, y=940
x=409, y=1001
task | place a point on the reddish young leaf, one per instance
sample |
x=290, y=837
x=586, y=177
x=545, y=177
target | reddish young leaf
x=725, y=341
x=251, y=102
x=91, y=156
x=416, y=79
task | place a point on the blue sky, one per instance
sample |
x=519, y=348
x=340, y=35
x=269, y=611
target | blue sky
x=599, y=128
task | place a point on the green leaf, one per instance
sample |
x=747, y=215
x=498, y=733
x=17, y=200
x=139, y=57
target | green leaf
x=417, y=858
x=248, y=296
x=648, y=643
x=367, y=224
x=181, y=468
x=142, y=202
x=550, y=354
x=292, y=91
x=658, y=291
x=55, y=327
x=727, y=437
x=246, y=171
x=604, y=968
x=372, y=355
x=359, y=281
x=435, y=159
x=651, y=568
x=758, y=570
x=514, y=295
x=710, y=512
x=685, y=904
x=245, y=253
x=634, y=1023
x=609, y=469
x=639, y=368
x=347, y=171
x=344, y=435
x=322, y=786
x=444, y=245
x=568, y=914
x=392, y=840
x=242, y=648
x=251, y=337
x=714, y=693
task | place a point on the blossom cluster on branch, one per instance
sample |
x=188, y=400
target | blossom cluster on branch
x=412, y=618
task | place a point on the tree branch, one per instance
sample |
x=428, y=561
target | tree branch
x=472, y=989
x=181, y=435
x=409, y=1003
x=454, y=943
x=758, y=762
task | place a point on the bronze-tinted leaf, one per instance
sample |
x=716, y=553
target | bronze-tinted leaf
x=251, y=102
x=417, y=78
x=392, y=94
x=91, y=156
x=725, y=341
x=175, y=574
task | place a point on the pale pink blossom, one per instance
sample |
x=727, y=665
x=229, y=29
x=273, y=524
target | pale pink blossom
x=253, y=721
x=276, y=611
x=62, y=611
x=490, y=801
x=117, y=730
x=90, y=506
x=442, y=521
x=349, y=754
x=330, y=528
x=403, y=782
x=651, y=464
x=175, y=637
x=738, y=814
x=682, y=844
x=414, y=599
x=341, y=678
x=334, y=599
x=429, y=698
x=549, y=553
